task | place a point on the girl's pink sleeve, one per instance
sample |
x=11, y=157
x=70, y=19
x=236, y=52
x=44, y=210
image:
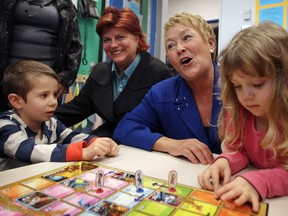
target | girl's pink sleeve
x=237, y=161
x=268, y=182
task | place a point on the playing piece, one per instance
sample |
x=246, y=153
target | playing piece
x=139, y=181
x=172, y=180
x=99, y=181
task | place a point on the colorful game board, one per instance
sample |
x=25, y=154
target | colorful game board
x=71, y=191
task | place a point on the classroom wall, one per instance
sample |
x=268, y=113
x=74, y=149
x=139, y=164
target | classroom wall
x=233, y=17
x=208, y=9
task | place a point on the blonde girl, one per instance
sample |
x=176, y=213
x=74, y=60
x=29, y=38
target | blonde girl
x=254, y=119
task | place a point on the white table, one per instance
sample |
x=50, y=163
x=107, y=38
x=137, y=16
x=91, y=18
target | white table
x=154, y=164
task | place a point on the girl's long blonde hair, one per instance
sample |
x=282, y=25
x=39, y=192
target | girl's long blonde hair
x=258, y=51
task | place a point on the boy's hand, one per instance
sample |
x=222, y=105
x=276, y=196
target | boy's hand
x=99, y=148
x=114, y=149
x=241, y=191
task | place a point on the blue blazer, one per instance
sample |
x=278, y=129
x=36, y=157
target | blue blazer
x=169, y=109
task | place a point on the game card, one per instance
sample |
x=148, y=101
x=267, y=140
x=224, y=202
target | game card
x=62, y=208
x=179, y=190
x=114, y=183
x=58, y=191
x=75, y=183
x=154, y=208
x=124, y=176
x=89, y=176
x=153, y=183
x=81, y=199
x=132, y=190
x=64, y=173
x=204, y=196
x=166, y=198
x=7, y=212
x=86, y=165
x=244, y=208
x=101, y=194
x=123, y=199
x=36, y=200
x=16, y=191
x=229, y=212
x=37, y=183
x=108, y=208
x=199, y=207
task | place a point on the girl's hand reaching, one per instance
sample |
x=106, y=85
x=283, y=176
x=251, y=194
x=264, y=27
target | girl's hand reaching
x=216, y=174
x=241, y=191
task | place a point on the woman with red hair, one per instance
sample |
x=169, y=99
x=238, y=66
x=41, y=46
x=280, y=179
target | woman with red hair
x=115, y=87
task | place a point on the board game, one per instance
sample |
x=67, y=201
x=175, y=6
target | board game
x=73, y=190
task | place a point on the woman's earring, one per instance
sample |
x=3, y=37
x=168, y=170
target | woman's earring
x=211, y=50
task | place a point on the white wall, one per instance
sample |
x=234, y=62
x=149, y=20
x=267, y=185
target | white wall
x=229, y=12
x=232, y=19
x=208, y=9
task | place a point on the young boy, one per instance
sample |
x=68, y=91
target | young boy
x=30, y=133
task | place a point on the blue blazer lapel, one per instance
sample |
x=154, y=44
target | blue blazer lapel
x=187, y=111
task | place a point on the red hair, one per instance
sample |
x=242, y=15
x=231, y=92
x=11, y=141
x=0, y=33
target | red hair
x=122, y=18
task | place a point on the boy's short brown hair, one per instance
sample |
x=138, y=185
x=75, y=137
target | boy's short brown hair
x=17, y=77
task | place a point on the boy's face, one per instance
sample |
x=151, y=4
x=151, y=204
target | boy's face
x=41, y=101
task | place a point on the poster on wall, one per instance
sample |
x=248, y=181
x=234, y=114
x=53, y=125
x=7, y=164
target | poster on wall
x=272, y=10
x=274, y=14
x=267, y=2
x=135, y=6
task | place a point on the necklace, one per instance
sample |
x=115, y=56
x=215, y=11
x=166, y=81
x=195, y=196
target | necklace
x=39, y=3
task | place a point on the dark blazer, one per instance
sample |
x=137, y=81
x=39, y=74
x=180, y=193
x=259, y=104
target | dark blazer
x=96, y=96
x=169, y=109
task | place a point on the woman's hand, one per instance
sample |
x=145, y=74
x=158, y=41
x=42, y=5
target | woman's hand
x=193, y=149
